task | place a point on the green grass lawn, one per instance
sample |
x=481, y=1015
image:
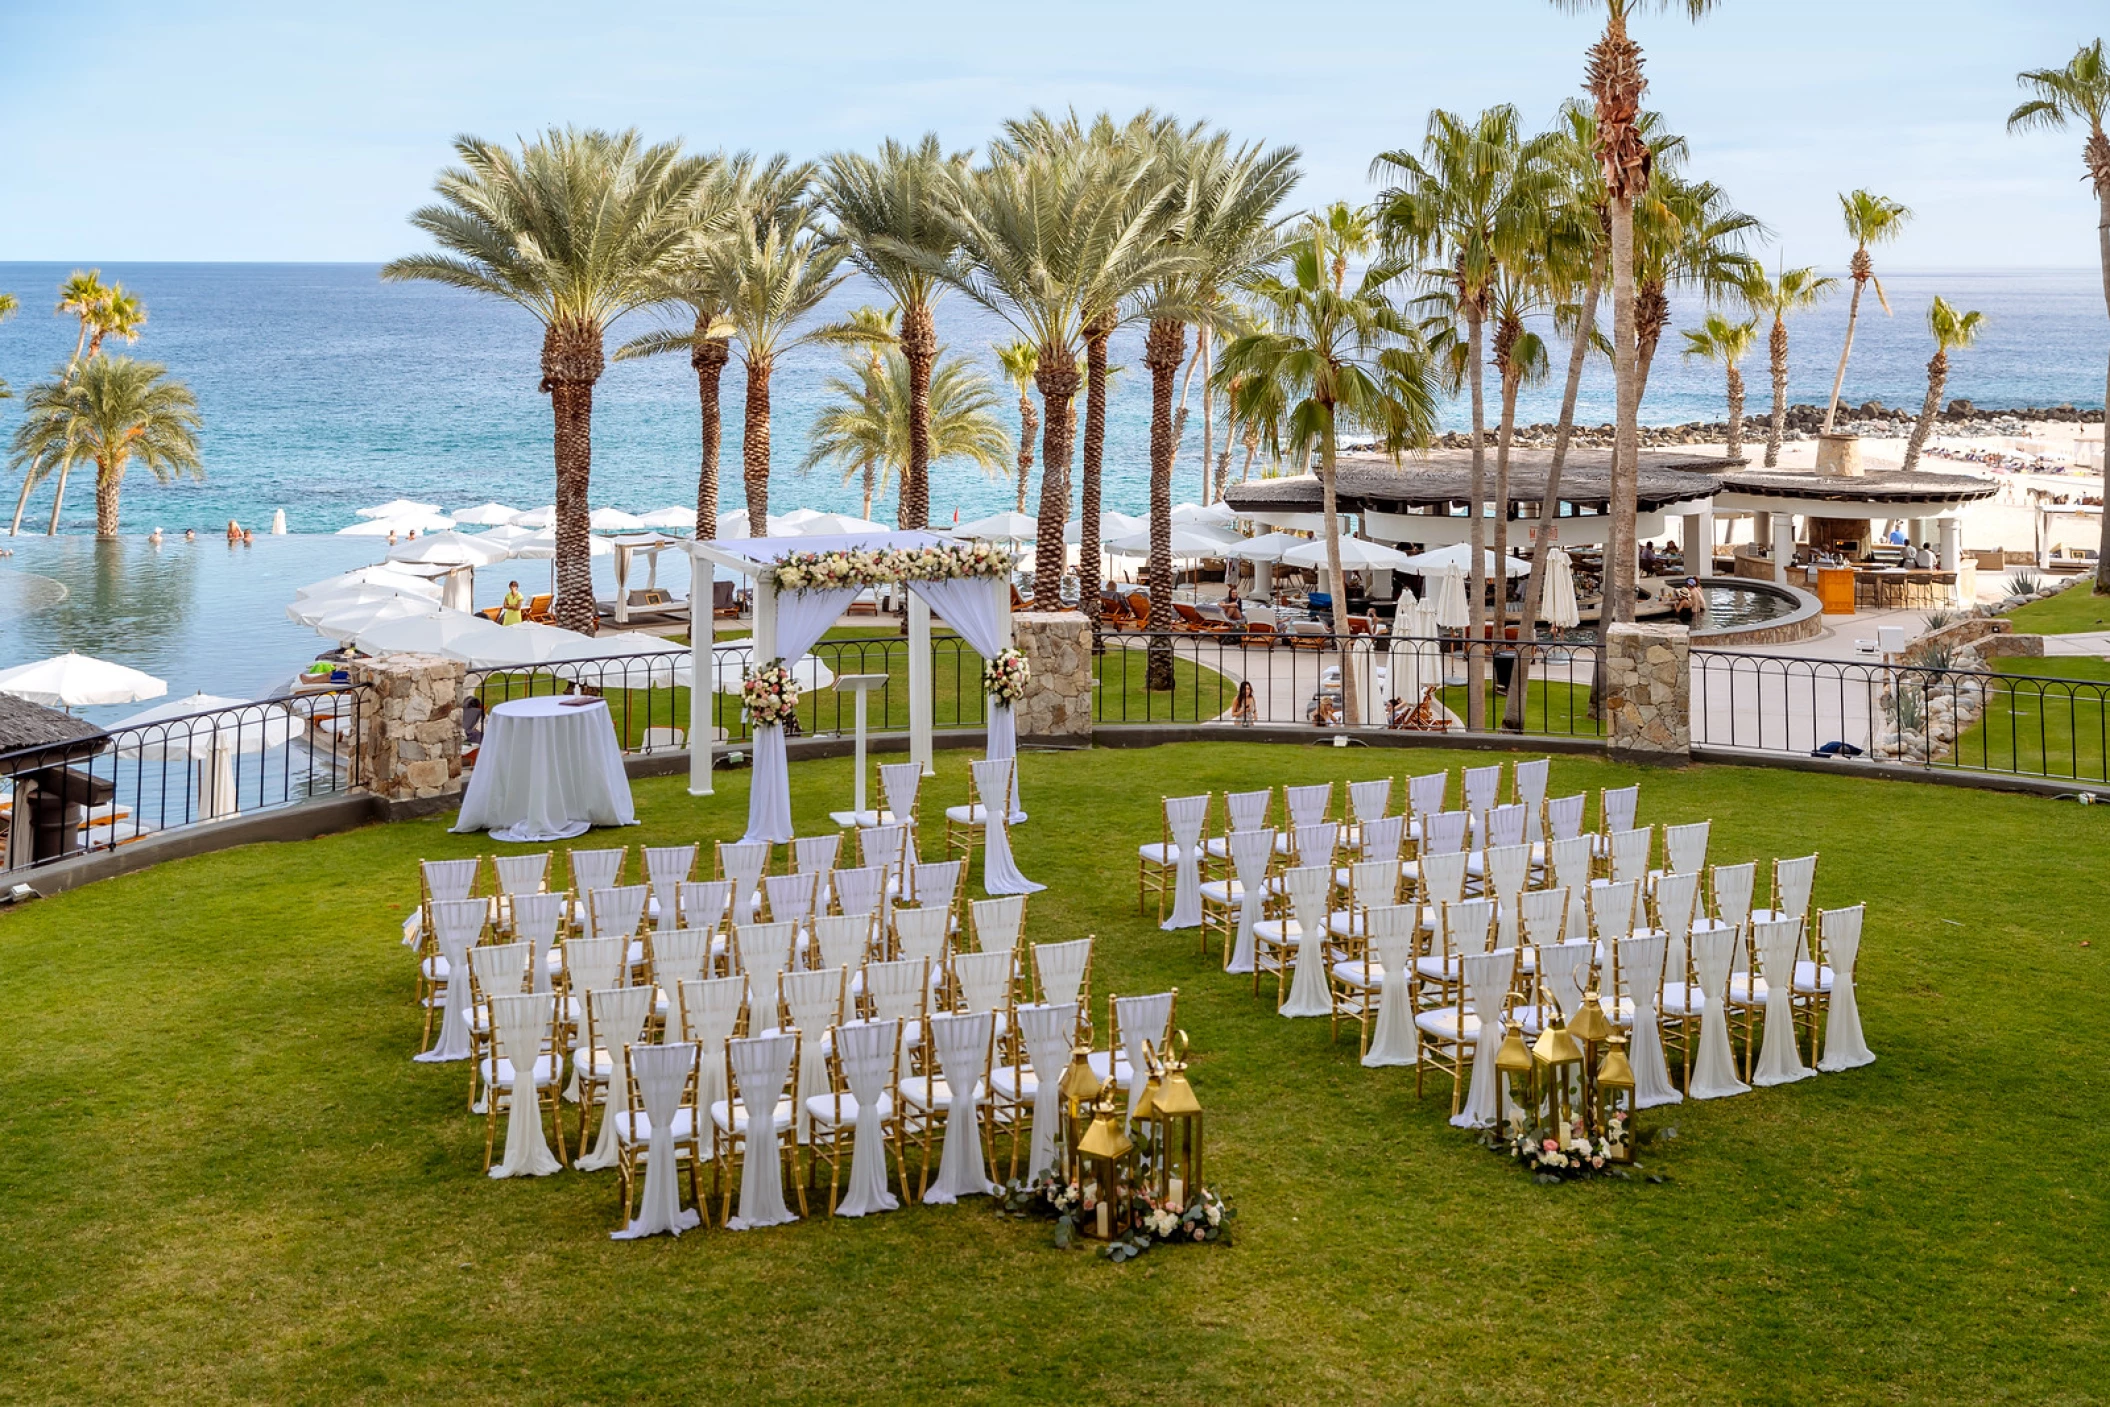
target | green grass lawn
x=223, y=1179
x=2050, y=729
x=2074, y=609
x=1550, y=707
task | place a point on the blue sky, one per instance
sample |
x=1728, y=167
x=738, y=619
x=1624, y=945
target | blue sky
x=301, y=132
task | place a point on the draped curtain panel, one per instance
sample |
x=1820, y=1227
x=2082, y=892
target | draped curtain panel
x=803, y=617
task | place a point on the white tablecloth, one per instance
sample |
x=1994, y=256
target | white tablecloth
x=549, y=769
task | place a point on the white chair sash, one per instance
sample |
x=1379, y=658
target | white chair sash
x=1308, y=992
x=814, y=1001
x=615, y=913
x=595, y=869
x=1779, y=1061
x=1392, y=928
x=1184, y=815
x=1487, y=978
x=618, y=1020
x=962, y=1043
x=1307, y=805
x=997, y=922
x=1061, y=968
x=743, y=862
x=704, y=903
x=1047, y=1031
x=662, y=1078
x=535, y=920
x=521, y=1022
x=677, y=956
x=1530, y=781
x=1367, y=800
x=761, y=1068
x=1251, y=850
x=1000, y=873
x=1844, y=1047
x=710, y=1011
x=865, y=1049
x=1714, y=1071
x=900, y=781
x=1140, y=1019
x=791, y=897
x=842, y=938
x=1641, y=967
x=456, y=925
x=666, y=868
x=765, y=951
x=815, y=854
x=857, y=891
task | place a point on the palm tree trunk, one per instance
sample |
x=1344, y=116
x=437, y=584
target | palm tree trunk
x=572, y=361
x=1618, y=603
x=1028, y=423
x=1736, y=414
x=2100, y=164
x=29, y=481
x=1057, y=378
x=1503, y=435
x=1846, y=349
x=1096, y=334
x=870, y=474
x=919, y=348
x=1163, y=349
x=57, y=500
x=1937, y=376
x=1535, y=586
x=1777, y=350
x=1476, y=571
x=1350, y=713
x=1208, y=414
x=108, y=483
x=754, y=447
x=709, y=359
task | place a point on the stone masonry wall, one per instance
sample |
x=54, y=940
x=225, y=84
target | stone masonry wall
x=1058, y=650
x=1648, y=692
x=410, y=730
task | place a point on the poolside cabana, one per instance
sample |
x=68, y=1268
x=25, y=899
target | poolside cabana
x=1841, y=513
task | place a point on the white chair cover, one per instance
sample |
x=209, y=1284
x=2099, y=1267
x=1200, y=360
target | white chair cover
x=857, y=891
x=815, y=854
x=1563, y=969
x=710, y=1012
x=1620, y=804
x=802, y=618
x=615, y=913
x=1382, y=837
x=521, y=874
x=1685, y=847
x=885, y=846
x=998, y=922
x=1140, y=1019
x=704, y=903
x=1060, y=968
x=1779, y=1061
x=1714, y=1071
x=666, y=867
x=1481, y=786
x=1307, y=805
x=765, y=951
x=521, y=1022
x=935, y=883
x=761, y=1069
x=595, y=869
x=962, y=1043
x=1530, y=782
x=900, y=781
x=1000, y=875
x=535, y=920
x=1641, y=966
x=1184, y=814
x=1844, y=1047
x=791, y=897
x=678, y=956
x=841, y=939
x=813, y=1000
x=1487, y=978
x=1425, y=794
x=865, y=1049
x=1392, y=928
x=662, y=1078
x=920, y=933
x=618, y=1020
x=1676, y=895
x=1564, y=816
x=1047, y=1031
x=456, y=924
x=984, y=979
x=1308, y=992
x=1251, y=851
x=1367, y=800
x=743, y=862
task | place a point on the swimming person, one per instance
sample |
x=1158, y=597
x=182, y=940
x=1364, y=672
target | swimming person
x=510, y=612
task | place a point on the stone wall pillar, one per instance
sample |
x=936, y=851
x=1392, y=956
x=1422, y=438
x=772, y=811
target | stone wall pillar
x=1648, y=692
x=410, y=726
x=1058, y=650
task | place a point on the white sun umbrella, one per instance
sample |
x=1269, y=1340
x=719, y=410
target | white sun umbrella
x=799, y=516
x=838, y=525
x=1460, y=555
x=1006, y=526
x=544, y=544
x=343, y=623
x=669, y=518
x=488, y=515
x=79, y=681
x=255, y=727
x=1356, y=555
x=451, y=549
x=1187, y=539
x=401, y=582
x=1268, y=547
x=733, y=526
x=1111, y=526
x=543, y=517
x=1413, y=662
x=1558, y=603
x=613, y=520
x=1218, y=514
x=1447, y=585
x=397, y=508
x=306, y=610
x=401, y=524
x=729, y=660
x=453, y=634
x=506, y=535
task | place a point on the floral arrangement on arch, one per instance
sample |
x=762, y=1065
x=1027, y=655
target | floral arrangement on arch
x=1004, y=677
x=1565, y=1153
x=770, y=694
x=861, y=567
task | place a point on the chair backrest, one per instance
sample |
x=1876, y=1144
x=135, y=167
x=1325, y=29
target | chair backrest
x=1505, y=825
x=1443, y=877
x=522, y=874
x=937, y=884
x=1248, y=809
x=1307, y=887
x=1792, y=882
x=992, y=785
x=1508, y=871
x=1564, y=816
x=998, y=922
x=1314, y=844
x=898, y=990
x=615, y=1017
x=857, y=891
x=984, y=980
x=1444, y=831
x=678, y=956
x=536, y=918
x=1373, y=882
x=1138, y=1019
x=1368, y=801
x=1616, y=808
x=593, y=963
x=813, y=998
x=758, y=1069
x=1685, y=847
x=1488, y=978
x=1677, y=896
x=1773, y=943
x=841, y=939
x=667, y=866
x=449, y=879
x=1468, y=925
x=742, y=862
x=883, y=847
x=1482, y=785
x=1382, y=838
x=463, y=920
x=1425, y=793
x=498, y=969
x=919, y=932
x=869, y=1054
x=1564, y=973
x=815, y=854
x=1060, y=970
x=1839, y=937
x=1528, y=787
x=1640, y=967
x=1185, y=818
x=901, y=783
x=1630, y=852
x=1543, y=914
x=1612, y=909
x=1393, y=929
x=1251, y=853
x=704, y=902
x=612, y=913
x=524, y=1023
x=710, y=1011
x=791, y=896
x=596, y=869
x=1732, y=886
x=1308, y=805
x=765, y=951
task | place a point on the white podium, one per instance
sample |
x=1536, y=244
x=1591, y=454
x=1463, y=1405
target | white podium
x=857, y=815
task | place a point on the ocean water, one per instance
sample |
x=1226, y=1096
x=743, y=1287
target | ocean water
x=324, y=390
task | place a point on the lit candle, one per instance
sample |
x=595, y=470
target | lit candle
x=1178, y=1190
x=1106, y=1227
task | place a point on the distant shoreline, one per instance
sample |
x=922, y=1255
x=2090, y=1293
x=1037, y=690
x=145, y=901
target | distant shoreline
x=1960, y=419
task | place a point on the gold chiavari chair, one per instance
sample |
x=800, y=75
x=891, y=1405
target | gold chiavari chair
x=590, y=964
x=1157, y=864
x=899, y=990
x=515, y=875
x=964, y=824
x=742, y=864
x=1062, y=973
x=633, y=1137
x=442, y=881
x=1616, y=807
x=536, y=1011
x=591, y=870
x=834, y=1115
x=495, y=969
x=1243, y=811
x=615, y=1018
x=928, y=1105
x=667, y=868
x=734, y=1122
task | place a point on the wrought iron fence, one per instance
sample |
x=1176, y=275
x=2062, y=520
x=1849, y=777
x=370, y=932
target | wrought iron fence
x=112, y=788
x=1918, y=714
x=1401, y=683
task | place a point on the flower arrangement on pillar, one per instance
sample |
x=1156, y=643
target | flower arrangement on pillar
x=1004, y=678
x=770, y=694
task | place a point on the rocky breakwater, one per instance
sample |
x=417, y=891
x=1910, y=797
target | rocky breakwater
x=1871, y=419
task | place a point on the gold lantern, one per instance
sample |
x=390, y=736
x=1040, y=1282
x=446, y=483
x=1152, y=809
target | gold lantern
x=1177, y=1117
x=1106, y=1164
x=1615, y=1092
x=1079, y=1089
x=1554, y=1055
x=1512, y=1061
x=1591, y=1028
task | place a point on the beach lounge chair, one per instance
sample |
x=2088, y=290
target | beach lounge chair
x=1191, y=619
x=1309, y=635
x=538, y=608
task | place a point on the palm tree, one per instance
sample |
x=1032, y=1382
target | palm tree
x=1686, y=236
x=110, y=411
x=1019, y=359
x=867, y=421
x=579, y=226
x=104, y=310
x=1717, y=339
x=1870, y=219
x=890, y=210
x=1951, y=329
x=1043, y=233
x=1348, y=359
x=738, y=189
x=1788, y=291
x=2080, y=94
x=8, y=307
x=1473, y=203
x=868, y=332
x=1616, y=86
